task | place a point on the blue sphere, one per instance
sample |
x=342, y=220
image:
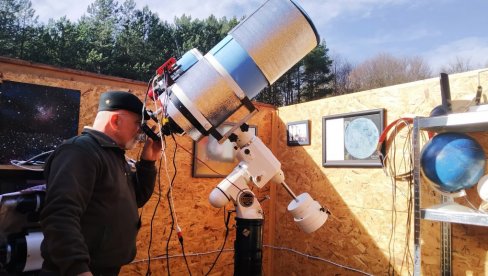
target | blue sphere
x=453, y=161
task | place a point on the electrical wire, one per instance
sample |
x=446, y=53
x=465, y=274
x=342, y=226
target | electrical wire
x=184, y=256
x=171, y=210
x=168, y=195
x=318, y=258
x=391, y=251
x=392, y=169
x=164, y=102
x=198, y=254
x=21, y=163
x=149, y=85
x=206, y=165
x=148, y=271
x=407, y=258
x=223, y=244
x=174, y=220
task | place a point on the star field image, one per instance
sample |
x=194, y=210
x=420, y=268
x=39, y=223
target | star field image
x=35, y=119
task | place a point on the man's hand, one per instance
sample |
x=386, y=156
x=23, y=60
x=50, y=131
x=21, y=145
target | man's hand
x=151, y=150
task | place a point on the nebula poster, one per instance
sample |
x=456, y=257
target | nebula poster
x=35, y=119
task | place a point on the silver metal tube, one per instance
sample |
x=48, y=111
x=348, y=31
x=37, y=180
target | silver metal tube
x=290, y=192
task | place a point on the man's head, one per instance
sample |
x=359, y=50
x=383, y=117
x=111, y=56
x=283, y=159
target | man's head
x=120, y=100
x=119, y=116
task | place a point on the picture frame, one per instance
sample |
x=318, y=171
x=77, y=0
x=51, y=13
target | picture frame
x=211, y=159
x=52, y=115
x=298, y=133
x=351, y=139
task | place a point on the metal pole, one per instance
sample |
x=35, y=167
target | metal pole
x=416, y=204
x=290, y=192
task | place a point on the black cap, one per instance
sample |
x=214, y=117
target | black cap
x=115, y=100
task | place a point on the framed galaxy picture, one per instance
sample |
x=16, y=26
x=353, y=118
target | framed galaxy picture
x=351, y=139
x=35, y=119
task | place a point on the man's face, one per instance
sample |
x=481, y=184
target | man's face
x=129, y=128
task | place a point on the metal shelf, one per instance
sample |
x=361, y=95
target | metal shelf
x=456, y=122
x=446, y=212
x=454, y=213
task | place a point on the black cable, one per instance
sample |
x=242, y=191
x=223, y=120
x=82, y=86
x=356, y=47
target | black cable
x=224, y=215
x=148, y=271
x=180, y=238
x=223, y=244
x=168, y=196
x=149, y=84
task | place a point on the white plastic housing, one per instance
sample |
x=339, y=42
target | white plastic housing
x=483, y=187
x=308, y=213
x=33, y=255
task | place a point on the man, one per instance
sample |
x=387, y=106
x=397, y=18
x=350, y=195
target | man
x=90, y=218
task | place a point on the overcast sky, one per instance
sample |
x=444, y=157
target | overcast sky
x=438, y=30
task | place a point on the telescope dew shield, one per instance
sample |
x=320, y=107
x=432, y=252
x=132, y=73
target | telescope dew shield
x=252, y=56
x=276, y=36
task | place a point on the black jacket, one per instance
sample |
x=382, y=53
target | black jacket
x=90, y=218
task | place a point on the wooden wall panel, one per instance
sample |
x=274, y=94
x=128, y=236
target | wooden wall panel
x=358, y=234
x=203, y=225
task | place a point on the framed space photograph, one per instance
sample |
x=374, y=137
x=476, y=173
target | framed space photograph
x=351, y=139
x=298, y=133
x=35, y=119
x=211, y=159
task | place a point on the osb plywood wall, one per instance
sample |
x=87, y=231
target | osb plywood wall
x=90, y=85
x=357, y=236
x=203, y=226
x=364, y=203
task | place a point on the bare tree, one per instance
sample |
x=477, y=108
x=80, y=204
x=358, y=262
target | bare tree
x=458, y=65
x=341, y=68
x=385, y=69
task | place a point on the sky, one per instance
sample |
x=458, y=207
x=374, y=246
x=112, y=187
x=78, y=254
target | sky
x=440, y=31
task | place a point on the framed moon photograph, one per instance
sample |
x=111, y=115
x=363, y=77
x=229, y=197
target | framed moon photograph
x=351, y=139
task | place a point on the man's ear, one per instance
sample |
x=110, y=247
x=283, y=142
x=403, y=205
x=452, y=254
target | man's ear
x=115, y=121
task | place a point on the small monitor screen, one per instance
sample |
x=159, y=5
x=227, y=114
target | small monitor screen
x=35, y=119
